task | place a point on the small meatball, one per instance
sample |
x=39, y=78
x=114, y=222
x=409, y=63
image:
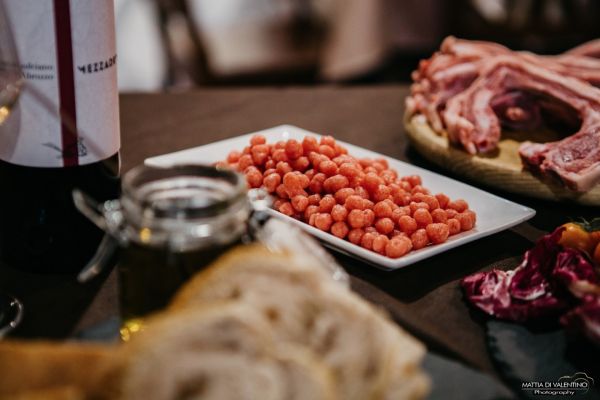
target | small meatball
x=415, y=206
x=398, y=246
x=316, y=159
x=383, y=162
x=286, y=208
x=339, y=213
x=245, y=162
x=405, y=186
x=257, y=139
x=422, y=217
x=280, y=145
x=283, y=168
x=253, y=177
x=369, y=217
x=354, y=202
x=339, y=149
x=335, y=183
x=355, y=235
x=383, y=210
x=379, y=243
x=316, y=184
x=362, y=192
x=381, y=193
x=437, y=233
x=326, y=204
x=293, y=149
x=323, y=221
x=328, y=167
x=233, y=156
x=414, y=180
x=328, y=140
x=419, y=239
x=327, y=151
x=443, y=200
x=282, y=192
x=314, y=199
x=300, y=203
x=279, y=155
x=372, y=181
x=419, y=189
x=407, y=224
x=365, y=162
x=466, y=219
x=450, y=213
x=343, y=194
x=401, y=198
x=367, y=240
x=310, y=144
x=310, y=210
x=439, y=215
x=459, y=205
x=431, y=201
x=379, y=167
x=292, y=181
x=303, y=180
x=340, y=229
x=301, y=164
x=453, y=226
x=399, y=212
x=356, y=219
x=341, y=159
x=349, y=170
x=260, y=154
x=384, y=225
x=388, y=176
x=270, y=164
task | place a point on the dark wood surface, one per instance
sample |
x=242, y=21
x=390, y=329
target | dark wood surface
x=425, y=297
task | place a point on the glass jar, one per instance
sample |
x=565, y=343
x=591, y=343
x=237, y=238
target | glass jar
x=168, y=224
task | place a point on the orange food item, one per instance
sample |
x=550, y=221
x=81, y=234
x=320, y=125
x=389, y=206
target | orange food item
x=577, y=237
x=360, y=200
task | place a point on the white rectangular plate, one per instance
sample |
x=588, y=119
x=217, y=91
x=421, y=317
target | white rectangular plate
x=494, y=213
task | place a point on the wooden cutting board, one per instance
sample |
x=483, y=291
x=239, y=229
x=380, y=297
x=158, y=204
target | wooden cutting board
x=501, y=169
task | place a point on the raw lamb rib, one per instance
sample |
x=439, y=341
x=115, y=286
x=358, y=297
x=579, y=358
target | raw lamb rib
x=473, y=89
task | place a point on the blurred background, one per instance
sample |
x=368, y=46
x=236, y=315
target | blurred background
x=178, y=44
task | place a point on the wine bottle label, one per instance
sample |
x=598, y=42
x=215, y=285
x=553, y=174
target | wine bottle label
x=67, y=114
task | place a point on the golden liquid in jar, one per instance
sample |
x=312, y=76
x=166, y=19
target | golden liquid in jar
x=149, y=277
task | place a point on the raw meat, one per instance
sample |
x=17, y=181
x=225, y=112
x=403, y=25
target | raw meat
x=472, y=90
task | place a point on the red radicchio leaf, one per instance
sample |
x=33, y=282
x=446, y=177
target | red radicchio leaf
x=529, y=291
x=585, y=318
x=576, y=273
x=532, y=276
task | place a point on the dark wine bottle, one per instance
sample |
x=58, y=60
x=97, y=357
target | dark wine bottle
x=66, y=51
x=40, y=229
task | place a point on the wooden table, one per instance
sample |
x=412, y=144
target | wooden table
x=424, y=298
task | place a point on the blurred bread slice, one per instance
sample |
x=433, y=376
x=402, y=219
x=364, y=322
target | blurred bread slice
x=59, y=368
x=370, y=356
x=219, y=352
x=275, y=284
x=54, y=393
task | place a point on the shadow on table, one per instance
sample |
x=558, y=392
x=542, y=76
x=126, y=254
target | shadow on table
x=414, y=281
x=54, y=304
